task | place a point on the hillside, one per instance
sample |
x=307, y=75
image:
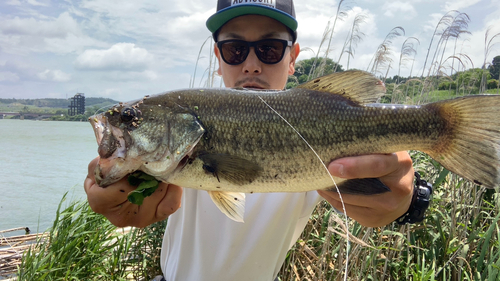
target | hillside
x=58, y=107
x=55, y=103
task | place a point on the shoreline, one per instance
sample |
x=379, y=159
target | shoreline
x=12, y=249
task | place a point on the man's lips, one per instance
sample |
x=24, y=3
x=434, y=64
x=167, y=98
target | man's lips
x=252, y=86
x=252, y=83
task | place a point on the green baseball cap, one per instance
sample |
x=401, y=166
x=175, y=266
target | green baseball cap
x=280, y=10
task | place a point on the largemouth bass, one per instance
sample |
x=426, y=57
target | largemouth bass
x=235, y=141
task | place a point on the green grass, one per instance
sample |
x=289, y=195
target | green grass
x=459, y=239
x=412, y=93
x=92, y=106
x=17, y=107
x=438, y=95
x=83, y=245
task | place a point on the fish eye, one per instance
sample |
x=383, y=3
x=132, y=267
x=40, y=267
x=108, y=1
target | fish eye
x=128, y=114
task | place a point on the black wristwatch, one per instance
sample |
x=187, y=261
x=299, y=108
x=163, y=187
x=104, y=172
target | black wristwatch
x=419, y=203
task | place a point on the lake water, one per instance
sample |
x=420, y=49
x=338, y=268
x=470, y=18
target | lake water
x=39, y=162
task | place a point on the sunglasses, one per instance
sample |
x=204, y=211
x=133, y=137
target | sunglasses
x=268, y=51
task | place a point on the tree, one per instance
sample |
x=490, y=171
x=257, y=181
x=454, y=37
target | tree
x=495, y=68
x=492, y=84
x=308, y=69
x=470, y=80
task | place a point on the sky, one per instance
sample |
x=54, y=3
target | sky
x=127, y=49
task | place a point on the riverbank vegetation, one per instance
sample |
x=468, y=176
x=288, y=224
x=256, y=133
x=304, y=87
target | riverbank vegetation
x=82, y=245
x=458, y=240
x=56, y=107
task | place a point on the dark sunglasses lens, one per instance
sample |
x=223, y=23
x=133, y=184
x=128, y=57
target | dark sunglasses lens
x=234, y=52
x=270, y=51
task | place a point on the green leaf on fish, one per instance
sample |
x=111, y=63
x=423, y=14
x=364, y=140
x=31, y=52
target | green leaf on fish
x=135, y=198
x=146, y=185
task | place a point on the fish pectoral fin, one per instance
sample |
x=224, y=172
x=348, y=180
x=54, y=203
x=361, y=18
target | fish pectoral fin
x=358, y=86
x=232, y=204
x=368, y=186
x=231, y=168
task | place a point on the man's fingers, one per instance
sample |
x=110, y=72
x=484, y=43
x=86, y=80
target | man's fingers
x=394, y=170
x=110, y=196
x=112, y=201
x=364, y=215
x=90, y=179
x=92, y=166
x=348, y=199
x=372, y=211
x=365, y=166
x=171, y=202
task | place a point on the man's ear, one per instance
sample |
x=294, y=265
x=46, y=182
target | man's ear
x=217, y=54
x=294, y=53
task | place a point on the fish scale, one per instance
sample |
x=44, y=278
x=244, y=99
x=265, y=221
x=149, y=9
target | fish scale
x=229, y=141
x=281, y=151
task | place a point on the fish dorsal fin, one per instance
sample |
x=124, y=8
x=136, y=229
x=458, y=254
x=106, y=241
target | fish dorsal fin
x=232, y=204
x=356, y=85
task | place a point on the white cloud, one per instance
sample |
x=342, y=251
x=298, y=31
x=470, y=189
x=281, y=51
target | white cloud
x=164, y=39
x=430, y=25
x=121, y=56
x=61, y=35
x=13, y=2
x=71, y=44
x=36, y=3
x=121, y=76
x=312, y=27
x=54, y=75
x=8, y=76
x=474, y=46
x=459, y=4
x=111, y=92
x=56, y=27
x=399, y=9
x=23, y=70
x=493, y=19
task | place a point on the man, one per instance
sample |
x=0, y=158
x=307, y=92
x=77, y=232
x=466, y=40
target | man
x=201, y=243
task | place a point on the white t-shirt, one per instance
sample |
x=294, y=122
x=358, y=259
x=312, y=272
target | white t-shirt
x=201, y=243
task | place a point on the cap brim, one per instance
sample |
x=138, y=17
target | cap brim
x=221, y=17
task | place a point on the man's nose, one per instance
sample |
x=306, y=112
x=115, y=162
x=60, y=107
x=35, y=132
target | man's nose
x=252, y=64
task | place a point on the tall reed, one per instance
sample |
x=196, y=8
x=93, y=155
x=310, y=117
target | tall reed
x=459, y=239
x=354, y=37
x=383, y=55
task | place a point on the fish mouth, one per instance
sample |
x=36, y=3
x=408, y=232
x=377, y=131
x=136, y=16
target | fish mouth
x=98, y=122
x=111, y=150
x=109, y=138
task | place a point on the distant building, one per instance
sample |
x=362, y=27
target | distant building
x=77, y=105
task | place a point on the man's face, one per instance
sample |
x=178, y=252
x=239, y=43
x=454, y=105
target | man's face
x=253, y=73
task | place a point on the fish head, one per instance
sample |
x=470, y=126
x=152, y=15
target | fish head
x=147, y=136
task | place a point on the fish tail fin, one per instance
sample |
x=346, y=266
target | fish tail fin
x=471, y=146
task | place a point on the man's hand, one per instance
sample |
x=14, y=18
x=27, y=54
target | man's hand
x=113, y=204
x=394, y=170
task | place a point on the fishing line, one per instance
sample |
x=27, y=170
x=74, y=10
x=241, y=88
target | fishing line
x=102, y=108
x=331, y=177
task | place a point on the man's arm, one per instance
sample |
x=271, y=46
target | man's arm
x=394, y=170
x=113, y=204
